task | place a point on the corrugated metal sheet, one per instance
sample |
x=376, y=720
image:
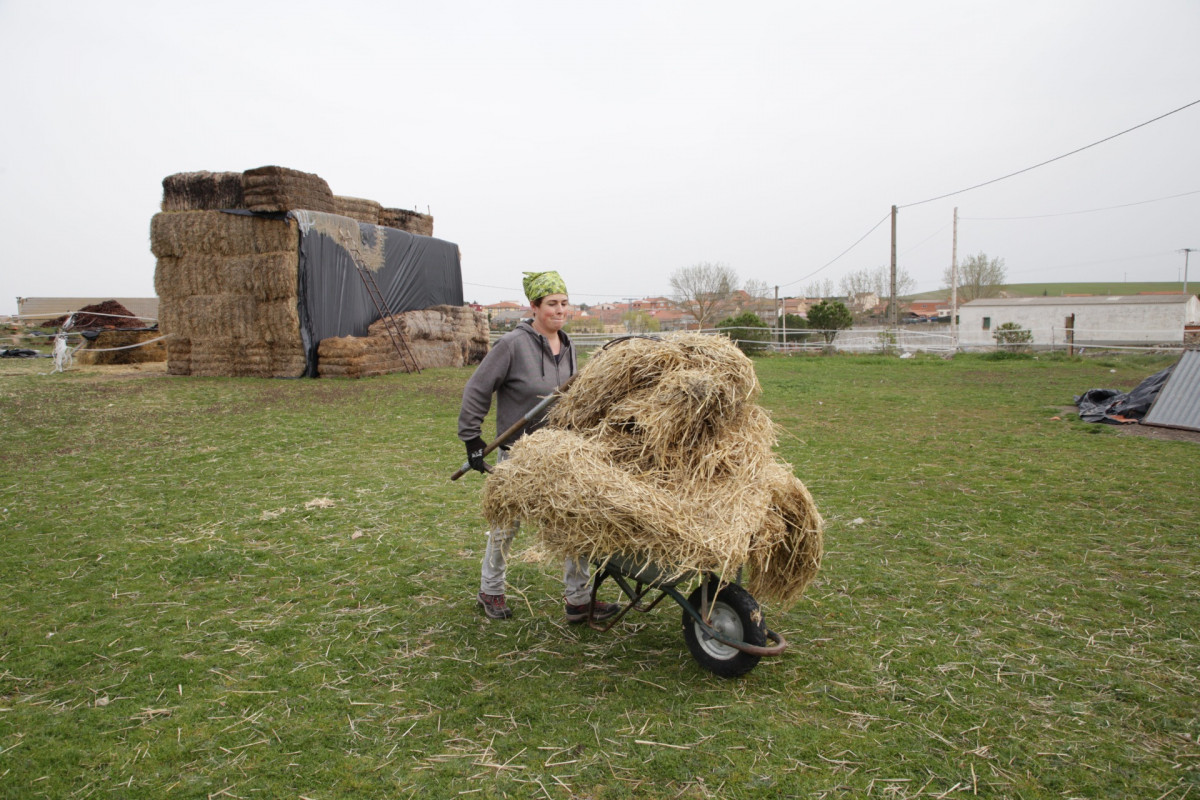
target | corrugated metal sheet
x=1178, y=401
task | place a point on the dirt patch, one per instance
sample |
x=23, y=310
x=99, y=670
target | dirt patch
x=1147, y=431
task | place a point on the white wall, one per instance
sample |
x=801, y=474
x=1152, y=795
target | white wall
x=1121, y=321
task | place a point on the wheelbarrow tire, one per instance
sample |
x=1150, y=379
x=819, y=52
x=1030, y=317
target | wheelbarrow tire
x=736, y=615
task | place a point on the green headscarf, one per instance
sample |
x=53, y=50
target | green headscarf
x=539, y=284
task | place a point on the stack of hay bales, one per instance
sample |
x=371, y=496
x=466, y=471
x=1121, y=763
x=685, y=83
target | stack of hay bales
x=446, y=336
x=411, y=221
x=227, y=288
x=357, y=208
x=441, y=336
x=227, y=283
x=659, y=453
x=282, y=189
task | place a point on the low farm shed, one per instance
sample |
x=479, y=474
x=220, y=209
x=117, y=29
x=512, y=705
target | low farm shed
x=255, y=269
x=1139, y=319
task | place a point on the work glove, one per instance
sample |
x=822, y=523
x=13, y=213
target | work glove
x=475, y=448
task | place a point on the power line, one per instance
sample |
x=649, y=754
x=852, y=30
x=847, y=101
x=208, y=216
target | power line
x=1086, y=211
x=1052, y=160
x=847, y=250
x=522, y=291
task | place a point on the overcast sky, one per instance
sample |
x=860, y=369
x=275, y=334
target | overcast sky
x=619, y=141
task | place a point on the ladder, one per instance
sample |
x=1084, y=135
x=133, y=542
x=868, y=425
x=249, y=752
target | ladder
x=389, y=322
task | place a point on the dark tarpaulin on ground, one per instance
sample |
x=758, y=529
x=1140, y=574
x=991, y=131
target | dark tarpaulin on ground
x=1118, y=408
x=413, y=272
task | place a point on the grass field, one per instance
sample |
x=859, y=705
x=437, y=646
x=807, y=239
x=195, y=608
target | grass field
x=239, y=588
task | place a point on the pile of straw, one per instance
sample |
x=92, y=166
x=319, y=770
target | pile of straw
x=410, y=221
x=282, y=189
x=202, y=191
x=101, y=350
x=357, y=208
x=659, y=453
x=105, y=315
x=227, y=288
x=441, y=336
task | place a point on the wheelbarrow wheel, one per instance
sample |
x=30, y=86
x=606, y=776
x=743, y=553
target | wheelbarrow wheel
x=735, y=615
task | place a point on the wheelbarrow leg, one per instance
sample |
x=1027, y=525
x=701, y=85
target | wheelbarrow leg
x=635, y=597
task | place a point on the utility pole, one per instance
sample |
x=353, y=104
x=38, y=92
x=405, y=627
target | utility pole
x=954, y=284
x=894, y=314
x=778, y=315
x=1186, y=251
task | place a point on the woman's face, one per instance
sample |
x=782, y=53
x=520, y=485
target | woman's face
x=550, y=314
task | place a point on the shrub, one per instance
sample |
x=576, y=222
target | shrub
x=1012, y=338
x=748, y=332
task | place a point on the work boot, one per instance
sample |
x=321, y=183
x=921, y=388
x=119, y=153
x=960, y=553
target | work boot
x=494, y=606
x=600, y=610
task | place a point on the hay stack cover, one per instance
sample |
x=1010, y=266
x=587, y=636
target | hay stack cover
x=659, y=452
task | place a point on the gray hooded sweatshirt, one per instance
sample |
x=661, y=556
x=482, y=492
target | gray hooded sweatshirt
x=520, y=370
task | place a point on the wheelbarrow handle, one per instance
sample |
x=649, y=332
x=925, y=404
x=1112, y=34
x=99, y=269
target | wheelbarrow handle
x=517, y=426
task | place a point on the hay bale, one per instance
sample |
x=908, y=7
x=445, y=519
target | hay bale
x=227, y=287
x=281, y=189
x=100, y=350
x=404, y=220
x=198, y=191
x=179, y=356
x=430, y=353
x=658, y=452
x=440, y=336
x=186, y=233
x=463, y=325
x=357, y=208
x=357, y=357
x=263, y=276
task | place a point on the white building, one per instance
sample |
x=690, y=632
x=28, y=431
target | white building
x=1140, y=319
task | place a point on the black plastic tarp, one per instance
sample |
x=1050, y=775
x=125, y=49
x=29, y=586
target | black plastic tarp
x=1115, y=407
x=411, y=271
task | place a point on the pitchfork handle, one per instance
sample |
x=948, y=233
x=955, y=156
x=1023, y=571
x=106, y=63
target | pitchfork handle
x=545, y=403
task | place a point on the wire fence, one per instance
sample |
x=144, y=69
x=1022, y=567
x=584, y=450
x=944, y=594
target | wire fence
x=939, y=340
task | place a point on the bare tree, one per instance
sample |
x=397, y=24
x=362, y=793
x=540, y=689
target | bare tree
x=860, y=281
x=978, y=277
x=704, y=290
x=762, y=296
x=819, y=288
x=877, y=281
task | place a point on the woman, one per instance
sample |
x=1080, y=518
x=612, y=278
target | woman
x=524, y=366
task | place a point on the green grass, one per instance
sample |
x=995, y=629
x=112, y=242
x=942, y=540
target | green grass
x=250, y=588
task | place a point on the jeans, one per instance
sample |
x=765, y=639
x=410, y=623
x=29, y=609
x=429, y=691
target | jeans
x=576, y=576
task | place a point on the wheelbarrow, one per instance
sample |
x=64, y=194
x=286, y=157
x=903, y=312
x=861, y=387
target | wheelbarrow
x=722, y=622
